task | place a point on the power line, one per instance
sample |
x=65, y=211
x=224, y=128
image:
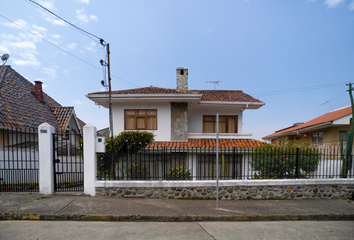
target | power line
x=302, y=89
x=64, y=50
x=41, y=9
x=67, y=22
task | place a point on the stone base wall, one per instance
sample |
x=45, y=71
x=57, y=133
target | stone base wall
x=231, y=192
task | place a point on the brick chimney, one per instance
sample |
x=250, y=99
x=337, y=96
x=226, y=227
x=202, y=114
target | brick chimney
x=38, y=92
x=182, y=79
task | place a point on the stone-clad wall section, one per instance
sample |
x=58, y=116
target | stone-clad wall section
x=232, y=192
x=179, y=121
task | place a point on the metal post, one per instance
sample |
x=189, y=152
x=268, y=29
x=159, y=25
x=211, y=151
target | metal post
x=110, y=105
x=217, y=160
x=297, y=164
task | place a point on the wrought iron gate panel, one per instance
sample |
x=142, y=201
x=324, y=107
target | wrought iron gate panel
x=68, y=162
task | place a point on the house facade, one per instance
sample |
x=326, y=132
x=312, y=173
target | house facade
x=179, y=115
x=183, y=122
x=324, y=129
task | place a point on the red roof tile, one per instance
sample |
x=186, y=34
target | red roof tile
x=209, y=143
x=328, y=117
x=62, y=115
x=207, y=95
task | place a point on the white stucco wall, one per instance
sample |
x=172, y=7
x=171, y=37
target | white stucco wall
x=163, y=132
x=195, y=116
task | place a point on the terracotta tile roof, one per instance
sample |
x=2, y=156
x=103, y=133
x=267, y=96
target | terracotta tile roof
x=328, y=117
x=209, y=143
x=208, y=95
x=62, y=114
x=19, y=107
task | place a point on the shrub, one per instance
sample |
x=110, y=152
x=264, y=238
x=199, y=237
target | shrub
x=178, y=173
x=275, y=162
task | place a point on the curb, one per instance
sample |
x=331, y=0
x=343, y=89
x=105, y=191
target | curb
x=139, y=218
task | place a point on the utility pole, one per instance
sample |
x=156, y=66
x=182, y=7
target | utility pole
x=108, y=65
x=110, y=96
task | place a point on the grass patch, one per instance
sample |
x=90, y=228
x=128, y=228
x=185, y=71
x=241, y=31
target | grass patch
x=26, y=201
x=29, y=193
x=349, y=201
x=42, y=197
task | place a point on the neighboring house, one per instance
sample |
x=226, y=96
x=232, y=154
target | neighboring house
x=182, y=118
x=323, y=129
x=24, y=106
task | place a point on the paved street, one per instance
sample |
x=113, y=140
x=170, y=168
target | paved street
x=189, y=230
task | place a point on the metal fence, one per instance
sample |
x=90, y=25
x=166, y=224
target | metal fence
x=68, y=162
x=19, y=160
x=235, y=163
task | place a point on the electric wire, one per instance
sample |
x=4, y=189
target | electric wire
x=67, y=22
x=76, y=29
x=294, y=90
x=65, y=50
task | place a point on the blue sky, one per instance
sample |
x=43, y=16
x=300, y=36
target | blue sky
x=257, y=46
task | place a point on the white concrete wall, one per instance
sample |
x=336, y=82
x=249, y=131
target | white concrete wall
x=163, y=132
x=196, y=112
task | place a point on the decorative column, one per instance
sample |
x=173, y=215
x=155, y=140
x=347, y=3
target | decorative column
x=46, y=166
x=90, y=159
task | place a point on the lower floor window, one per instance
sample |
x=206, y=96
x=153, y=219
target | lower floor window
x=317, y=137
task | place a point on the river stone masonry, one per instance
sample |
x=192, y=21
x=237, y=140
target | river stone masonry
x=232, y=192
x=179, y=121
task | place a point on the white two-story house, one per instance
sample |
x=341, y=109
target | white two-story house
x=182, y=118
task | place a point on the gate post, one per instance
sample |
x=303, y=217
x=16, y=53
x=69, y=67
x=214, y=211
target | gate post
x=90, y=159
x=45, y=149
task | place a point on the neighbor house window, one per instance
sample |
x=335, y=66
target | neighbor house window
x=344, y=135
x=227, y=124
x=317, y=137
x=140, y=119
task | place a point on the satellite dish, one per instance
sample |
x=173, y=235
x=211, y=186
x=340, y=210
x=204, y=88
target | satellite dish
x=5, y=57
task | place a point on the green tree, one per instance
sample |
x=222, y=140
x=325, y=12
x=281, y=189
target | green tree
x=346, y=156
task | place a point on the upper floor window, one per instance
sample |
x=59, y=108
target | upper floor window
x=145, y=119
x=317, y=137
x=227, y=124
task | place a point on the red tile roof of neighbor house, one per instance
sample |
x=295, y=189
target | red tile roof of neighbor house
x=207, y=95
x=328, y=117
x=209, y=143
x=19, y=106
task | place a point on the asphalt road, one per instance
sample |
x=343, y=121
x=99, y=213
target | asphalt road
x=189, y=230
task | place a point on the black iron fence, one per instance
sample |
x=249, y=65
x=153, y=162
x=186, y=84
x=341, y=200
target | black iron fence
x=233, y=164
x=19, y=160
x=68, y=162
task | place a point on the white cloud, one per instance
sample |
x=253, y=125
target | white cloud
x=50, y=72
x=78, y=102
x=91, y=47
x=83, y=18
x=38, y=28
x=72, y=45
x=56, y=36
x=333, y=3
x=351, y=6
x=66, y=72
x=10, y=37
x=16, y=24
x=28, y=59
x=24, y=44
x=4, y=50
x=93, y=18
x=83, y=1
x=44, y=86
x=47, y=4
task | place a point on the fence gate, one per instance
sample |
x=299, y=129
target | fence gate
x=68, y=162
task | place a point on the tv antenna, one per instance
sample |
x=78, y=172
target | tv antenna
x=5, y=57
x=215, y=82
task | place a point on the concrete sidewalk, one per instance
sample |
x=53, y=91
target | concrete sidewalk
x=21, y=206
